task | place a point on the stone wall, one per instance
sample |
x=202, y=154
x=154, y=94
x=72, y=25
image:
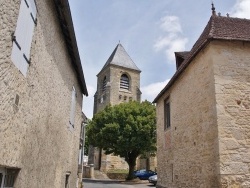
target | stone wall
x=35, y=134
x=141, y=163
x=232, y=83
x=187, y=152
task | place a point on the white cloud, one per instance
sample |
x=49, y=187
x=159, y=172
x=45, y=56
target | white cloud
x=171, y=24
x=150, y=91
x=172, y=40
x=241, y=9
x=163, y=42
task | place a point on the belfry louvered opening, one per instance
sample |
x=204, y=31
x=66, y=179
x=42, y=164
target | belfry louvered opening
x=124, y=82
x=104, y=83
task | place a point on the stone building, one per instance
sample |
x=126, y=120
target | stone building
x=203, y=113
x=41, y=91
x=118, y=81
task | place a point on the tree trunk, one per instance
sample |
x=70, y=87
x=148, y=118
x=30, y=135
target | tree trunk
x=147, y=163
x=131, y=160
x=131, y=172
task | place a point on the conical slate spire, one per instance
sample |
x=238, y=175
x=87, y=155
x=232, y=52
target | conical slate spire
x=121, y=58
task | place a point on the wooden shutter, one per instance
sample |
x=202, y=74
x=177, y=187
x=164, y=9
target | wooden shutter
x=73, y=108
x=22, y=37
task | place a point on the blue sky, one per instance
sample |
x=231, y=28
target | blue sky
x=149, y=30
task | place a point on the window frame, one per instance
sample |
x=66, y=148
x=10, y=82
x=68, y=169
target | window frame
x=2, y=171
x=167, y=114
x=124, y=83
x=9, y=176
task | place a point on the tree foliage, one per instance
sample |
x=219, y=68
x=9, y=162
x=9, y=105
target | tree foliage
x=127, y=130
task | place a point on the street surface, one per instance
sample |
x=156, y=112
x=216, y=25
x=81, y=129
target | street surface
x=94, y=183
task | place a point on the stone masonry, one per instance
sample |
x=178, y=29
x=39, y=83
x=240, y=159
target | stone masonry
x=35, y=134
x=232, y=92
x=187, y=150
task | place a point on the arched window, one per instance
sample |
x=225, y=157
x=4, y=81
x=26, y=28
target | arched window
x=124, y=82
x=104, y=83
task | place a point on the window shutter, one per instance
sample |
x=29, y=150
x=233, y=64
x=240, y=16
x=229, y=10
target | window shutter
x=73, y=108
x=23, y=35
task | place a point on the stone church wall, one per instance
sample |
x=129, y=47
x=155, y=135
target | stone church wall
x=34, y=132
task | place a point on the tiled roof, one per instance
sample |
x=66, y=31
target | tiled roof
x=182, y=54
x=218, y=28
x=121, y=58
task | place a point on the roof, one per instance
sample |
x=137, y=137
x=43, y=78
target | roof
x=180, y=57
x=66, y=23
x=182, y=54
x=121, y=58
x=218, y=28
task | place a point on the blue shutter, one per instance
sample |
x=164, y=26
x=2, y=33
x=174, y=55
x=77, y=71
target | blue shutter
x=23, y=35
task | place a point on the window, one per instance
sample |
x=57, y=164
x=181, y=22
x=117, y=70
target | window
x=67, y=180
x=22, y=37
x=124, y=82
x=2, y=175
x=8, y=177
x=172, y=172
x=166, y=114
x=104, y=84
x=73, y=107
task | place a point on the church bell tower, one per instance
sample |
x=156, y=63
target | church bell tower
x=117, y=82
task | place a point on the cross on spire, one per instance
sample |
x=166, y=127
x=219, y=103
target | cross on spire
x=213, y=9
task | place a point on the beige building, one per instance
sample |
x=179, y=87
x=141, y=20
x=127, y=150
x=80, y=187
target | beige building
x=203, y=113
x=41, y=90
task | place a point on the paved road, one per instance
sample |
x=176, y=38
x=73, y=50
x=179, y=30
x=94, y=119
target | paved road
x=90, y=183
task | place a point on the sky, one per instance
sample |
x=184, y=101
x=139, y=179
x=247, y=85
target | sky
x=149, y=30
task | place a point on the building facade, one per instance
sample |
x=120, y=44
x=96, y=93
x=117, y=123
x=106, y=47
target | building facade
x=118, y=81
x=41, y=91
x=203, y=113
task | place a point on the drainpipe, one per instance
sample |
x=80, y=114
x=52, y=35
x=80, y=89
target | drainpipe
x=82, y=140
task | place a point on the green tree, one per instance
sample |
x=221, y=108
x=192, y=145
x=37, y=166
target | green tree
x=127, y=130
